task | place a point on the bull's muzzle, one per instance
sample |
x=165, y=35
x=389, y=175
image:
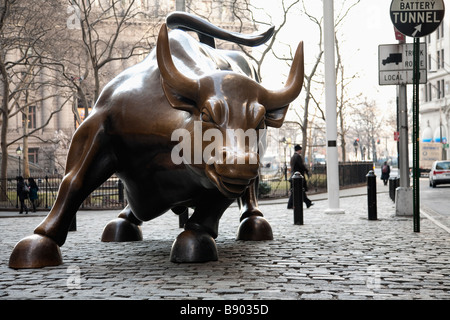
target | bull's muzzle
x=233, y=172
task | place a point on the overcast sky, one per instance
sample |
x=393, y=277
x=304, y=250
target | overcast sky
x=366, y=27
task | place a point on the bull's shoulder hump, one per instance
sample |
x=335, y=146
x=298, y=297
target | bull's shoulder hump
x=138, y=80
x=239, y=63
x=189, y=56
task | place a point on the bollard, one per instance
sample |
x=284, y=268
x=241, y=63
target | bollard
x=396, y=185
x=372, y=195
x=297, y=195
x=121, y=192
x=392, y=188
x=394, y=182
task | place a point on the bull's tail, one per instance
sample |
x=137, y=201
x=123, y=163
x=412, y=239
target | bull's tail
x=207, y=31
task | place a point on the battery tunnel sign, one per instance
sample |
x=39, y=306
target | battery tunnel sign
x=417, y=18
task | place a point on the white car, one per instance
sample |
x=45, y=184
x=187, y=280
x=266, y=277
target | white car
x=440, y=173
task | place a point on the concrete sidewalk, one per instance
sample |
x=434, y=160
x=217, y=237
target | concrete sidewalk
x=331, y=256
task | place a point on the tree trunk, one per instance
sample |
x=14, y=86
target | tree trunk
x=4, y=130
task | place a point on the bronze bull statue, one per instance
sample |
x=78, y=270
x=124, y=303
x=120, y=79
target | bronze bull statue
x=182, y=84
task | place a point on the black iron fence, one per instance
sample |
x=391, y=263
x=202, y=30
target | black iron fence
x=350, y=174
x=110, y=195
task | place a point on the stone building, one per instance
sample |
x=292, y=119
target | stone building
x=435, y=94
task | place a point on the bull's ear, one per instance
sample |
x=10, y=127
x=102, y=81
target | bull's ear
x=176, y=100
x=275, y=118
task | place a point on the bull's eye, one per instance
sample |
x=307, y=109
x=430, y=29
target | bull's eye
x=205, y=117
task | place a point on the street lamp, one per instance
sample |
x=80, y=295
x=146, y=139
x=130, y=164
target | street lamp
x=285, y=143
x=19, y=153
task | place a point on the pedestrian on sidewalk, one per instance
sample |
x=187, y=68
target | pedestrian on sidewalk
x=22, y=193
x=297, y=164
x=33, y=192
x=385, y=172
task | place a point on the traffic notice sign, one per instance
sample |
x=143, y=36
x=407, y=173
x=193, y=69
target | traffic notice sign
x=417, y=18
x=395, y=63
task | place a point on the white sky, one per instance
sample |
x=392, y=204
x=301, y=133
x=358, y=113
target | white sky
x=367, y=26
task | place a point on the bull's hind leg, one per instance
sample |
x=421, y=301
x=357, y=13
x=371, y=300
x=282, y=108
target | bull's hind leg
x=253, y=225
x=125, y=228
x=89, y=164
x=196, y=243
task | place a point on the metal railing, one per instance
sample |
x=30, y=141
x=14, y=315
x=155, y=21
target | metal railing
x=350, y=174
x=110, y=195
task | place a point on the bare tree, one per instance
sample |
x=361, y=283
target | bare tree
x=344, y=100
x=44, y=54
x=24, y=29
x=367, y=125
x=313, y=77
x=308, y=85
x=104, y=28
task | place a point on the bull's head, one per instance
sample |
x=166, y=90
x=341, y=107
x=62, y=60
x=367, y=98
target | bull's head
x=225, y=101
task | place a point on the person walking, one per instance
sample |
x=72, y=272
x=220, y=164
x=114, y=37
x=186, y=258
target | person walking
x=22, y=193
x=297, y=164
x=385, y=172
x=33, y=192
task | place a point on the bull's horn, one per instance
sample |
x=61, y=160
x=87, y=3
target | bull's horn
x=184, y=86
x=273, y=100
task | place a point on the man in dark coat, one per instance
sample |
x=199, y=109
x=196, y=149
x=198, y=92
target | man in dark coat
x=297, y=164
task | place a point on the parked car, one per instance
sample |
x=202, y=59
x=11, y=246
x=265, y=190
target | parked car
x=439, y=173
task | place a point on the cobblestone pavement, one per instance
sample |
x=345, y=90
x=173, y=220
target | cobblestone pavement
x=331, y=256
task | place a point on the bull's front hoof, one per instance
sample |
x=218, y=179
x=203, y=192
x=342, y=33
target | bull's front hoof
x=35, y=251
x=193, y=246
x=254, y=228
x=121, y=230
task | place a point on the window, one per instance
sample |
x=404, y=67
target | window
x=438, y=60
x=33, y=155
x=440, y=89
x=30, y=119
x=429, y=62
x=442, y=59
x=430, y=94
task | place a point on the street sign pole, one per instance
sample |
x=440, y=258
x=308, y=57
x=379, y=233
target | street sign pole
x=416, y=18
x=416, y=172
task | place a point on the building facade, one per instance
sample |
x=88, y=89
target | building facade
x=435, y=94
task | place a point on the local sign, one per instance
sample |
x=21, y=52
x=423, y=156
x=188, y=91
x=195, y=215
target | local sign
x=395, y=63
x=417, y=18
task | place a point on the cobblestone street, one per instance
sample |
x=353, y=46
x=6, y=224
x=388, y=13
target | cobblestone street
x=331, y=256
